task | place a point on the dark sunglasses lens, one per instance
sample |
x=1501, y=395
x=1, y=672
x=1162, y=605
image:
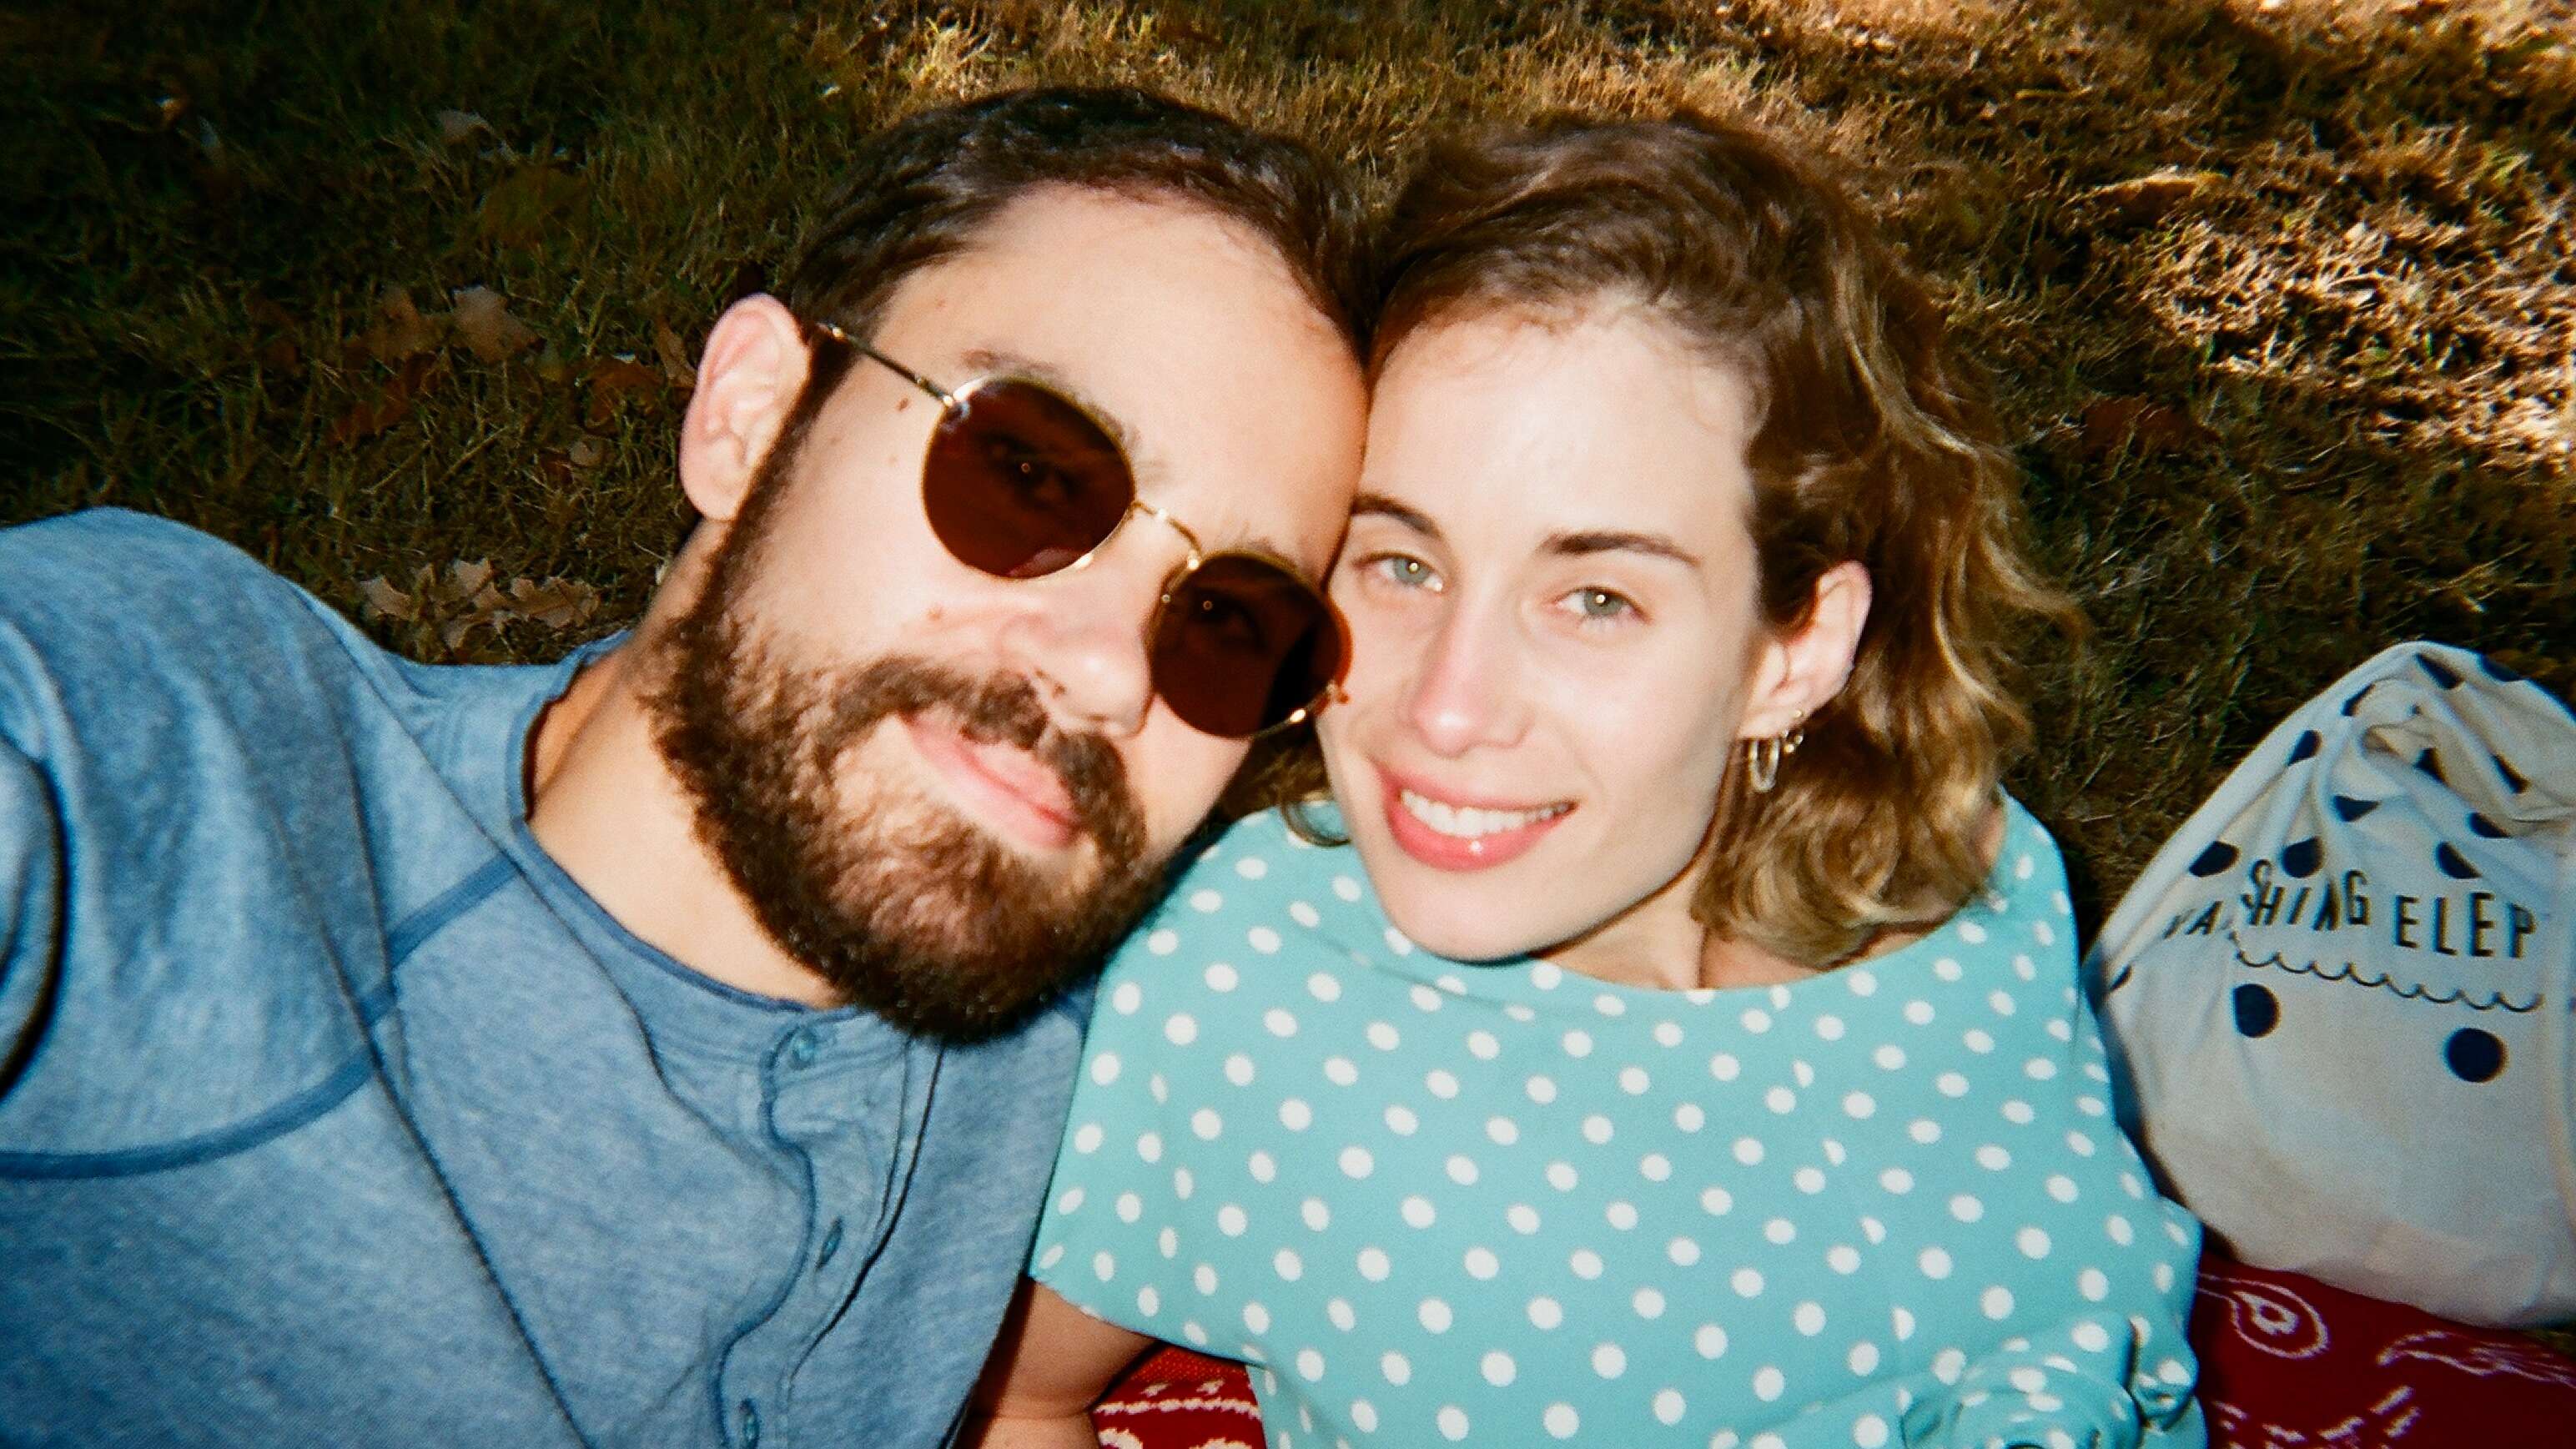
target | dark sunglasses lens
x=1243, y=645
x=1020, y=483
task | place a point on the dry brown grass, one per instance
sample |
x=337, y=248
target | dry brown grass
x=2276, y=292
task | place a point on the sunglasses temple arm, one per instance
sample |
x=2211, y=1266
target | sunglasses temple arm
x=834, y=331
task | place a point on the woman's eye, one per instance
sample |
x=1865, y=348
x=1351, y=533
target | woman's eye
x=1597, y=605
x=1405, y=571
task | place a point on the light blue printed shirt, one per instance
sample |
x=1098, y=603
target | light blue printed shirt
x=1439, y=1202
x=333, y=1112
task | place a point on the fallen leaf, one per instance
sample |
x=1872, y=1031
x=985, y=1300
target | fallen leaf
x=457, y=127
x=466, y=580
x=556, y=603
x=400, y=332
x=2143, y=200
x=675, y=358
x=524, y=206
x=417, y=377
x=587, y=452
x=2117, y=423
x=484, y=324
x=612, y=380
x=378, y=599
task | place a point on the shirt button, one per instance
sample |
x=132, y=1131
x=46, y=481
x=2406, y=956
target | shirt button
x=831, y=1244
x=750, y=1415
x=802, y=1051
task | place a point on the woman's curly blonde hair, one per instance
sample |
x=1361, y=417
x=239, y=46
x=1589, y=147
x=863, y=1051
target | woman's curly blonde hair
x=1874, y=443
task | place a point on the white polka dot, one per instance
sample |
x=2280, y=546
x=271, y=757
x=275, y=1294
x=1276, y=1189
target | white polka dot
x=1417, y=1212
x=1934, y=1262
x=1668, y=1033
x=2093, y=1284
x=1522, y=1217
x=1462, y=1170
x=1620, y=1215
x=1401, y=1121
x=1561, y=1421
x=1103, y=1266
x=1256, y=1318
x=1499, y=1369
x=1161, y=1090
x=2162, y=1276
x=1966, y=1208
x=1972, y=933
x=2173, y=1372
x=1903, y=1322
x=1262, y=1167
x=1263, y=939
x=1206, y=900
x=1546, y=1313
x=1304, y=914
x=1633, y=1081
x=1288, y=1265
x=1830, y=1027
x=1481, y=1263
x=1725, y=1067
x=1104, y=1068
x=1716, y=1201
x=1230, y=1220
x=1252, y=867
x=1577, y=1043
x=1540, y=1089
x=1979, y=1041
x=1748, y=1150
x=1397, y=1369
x=1596, y=1129
x=2019, y=1112
x=1561, y=1176
x=1654, y=1167
x=1434, y=1316
x=1279, y=1022
x=1859, y=1104
x=2119, y=1230
x=2090, y=1106
x=1204, y=1277
x=1585, y=1263
x=1482, y=1046
x=1669, y=1406
x=1947, y=969
x=1780, y=1231
x=2082, y=1145
x=1373, y=1264
x=1756, y=1020
x=1683, y=1251
x=1747, y=1283
x=1689, y=1118
x=1183, y=1184
x=1709, y=1341
x=1453, y=1423
x=1809, y=1318
x=2043, y=933
x=1924, y=1130
x=1997, y=1302
x=1896, y=1179
x=1339, y=1311
x=1150, y=1147
x=1889, y=1058
x=1086, y=1138
x=2091, y=1337
x=2039, y=1069
x=1163, y=943
x=1874, y=1230
x=1295, y=1115
x=1863, y=1358
x=1919, y=1012
x=1071, y=1201
x=1130, y=1207
x=1861, y=982
x=1609, y=1360
x=1781, y=1100
x=1948, y=1364
x=2032, y=1242
x=1869, y=1431
x=1346, y=887
x=1843, y=1258
x=1441, y=1084
x=1647, y=1302
x=1545, y=975
x=1993, y=1158
x=1768, y=1383
x=1425, y=999
x=1382, y=1036
x=2061, y=1187
x=1341, y=1071
x=1356, y=1161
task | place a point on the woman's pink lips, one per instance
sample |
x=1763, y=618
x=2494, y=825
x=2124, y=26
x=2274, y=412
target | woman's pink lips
x=1448, y=852
x=1023, y=796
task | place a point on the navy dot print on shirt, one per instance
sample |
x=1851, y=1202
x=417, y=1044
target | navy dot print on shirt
x=2441, y=672
x=2219, y=856
x=2302, y=857
x=2354, y=703
x=2481, y=825
x=2511, y=779
x=2347, y=809
x=2257, y=1010
x=2306, y=747
x=2452, y=863
x=2473, y=1055
x=2430, y=765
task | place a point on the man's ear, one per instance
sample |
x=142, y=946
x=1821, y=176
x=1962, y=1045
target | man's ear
x=749, y=378
x=1798, y=673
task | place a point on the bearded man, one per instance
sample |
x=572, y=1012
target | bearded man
x=668, y=1045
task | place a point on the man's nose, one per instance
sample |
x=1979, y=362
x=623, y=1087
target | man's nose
x=1081, y=638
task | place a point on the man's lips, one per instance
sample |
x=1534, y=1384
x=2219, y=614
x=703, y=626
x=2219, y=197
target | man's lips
x=1003, y=783
x=1449, y=833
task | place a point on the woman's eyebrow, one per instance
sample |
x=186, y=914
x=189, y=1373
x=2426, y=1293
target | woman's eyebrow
x=1610, y=541
x=1385, y=507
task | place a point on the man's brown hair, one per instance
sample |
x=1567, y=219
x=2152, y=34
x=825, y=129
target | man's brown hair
x=1872, y=443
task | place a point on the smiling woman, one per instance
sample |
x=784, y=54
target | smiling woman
x=1683, y=1047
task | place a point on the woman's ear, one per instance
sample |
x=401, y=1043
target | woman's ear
x=1797, y=673
x=749, y=378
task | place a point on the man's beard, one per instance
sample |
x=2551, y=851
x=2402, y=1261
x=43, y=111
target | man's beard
x=898, y=903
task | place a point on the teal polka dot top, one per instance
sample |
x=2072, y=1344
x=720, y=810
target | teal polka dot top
x=1501, y=1203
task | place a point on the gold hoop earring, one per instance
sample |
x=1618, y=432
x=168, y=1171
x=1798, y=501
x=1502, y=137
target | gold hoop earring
x=1762, y=758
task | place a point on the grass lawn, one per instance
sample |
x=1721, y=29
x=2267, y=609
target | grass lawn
x=2277, y=292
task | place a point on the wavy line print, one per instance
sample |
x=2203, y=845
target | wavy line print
x=2352, y=973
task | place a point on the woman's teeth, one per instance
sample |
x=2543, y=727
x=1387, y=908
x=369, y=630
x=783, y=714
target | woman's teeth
x=1466, y=822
